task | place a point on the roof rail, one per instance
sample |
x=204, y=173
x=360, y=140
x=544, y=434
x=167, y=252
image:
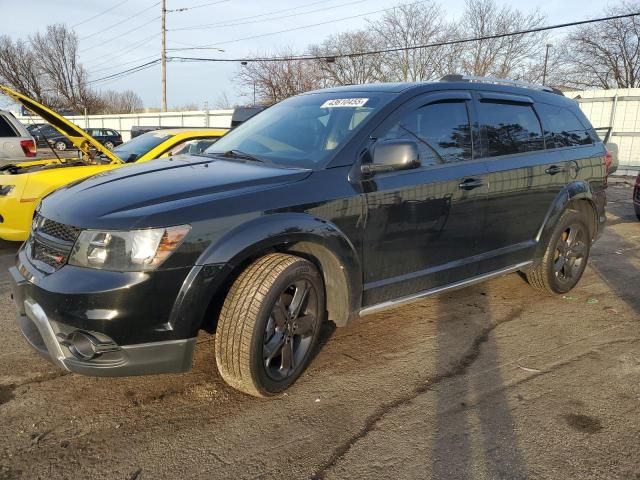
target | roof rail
x=500, y=81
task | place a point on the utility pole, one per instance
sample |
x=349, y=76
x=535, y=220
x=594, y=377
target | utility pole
x=546, y=59
x=163, y=55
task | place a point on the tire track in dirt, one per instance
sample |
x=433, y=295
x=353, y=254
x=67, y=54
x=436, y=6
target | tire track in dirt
x=458, y=369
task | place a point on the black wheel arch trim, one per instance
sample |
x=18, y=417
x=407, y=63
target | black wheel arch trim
x=300, y=234
x=577, y=190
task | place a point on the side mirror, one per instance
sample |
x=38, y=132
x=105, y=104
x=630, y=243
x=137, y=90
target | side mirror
x=391, y=155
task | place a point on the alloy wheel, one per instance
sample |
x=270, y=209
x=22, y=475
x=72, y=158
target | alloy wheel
x=570, y=254
x=290, y=329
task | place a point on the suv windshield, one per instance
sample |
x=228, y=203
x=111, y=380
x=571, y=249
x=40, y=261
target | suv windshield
x=133, y=149
x=302, y=131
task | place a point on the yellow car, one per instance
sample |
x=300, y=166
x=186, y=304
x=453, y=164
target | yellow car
x=24, y=184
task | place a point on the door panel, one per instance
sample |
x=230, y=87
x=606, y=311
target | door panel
x=520, y=195
x=524, y=178
x=423, y=224
x=422, y=230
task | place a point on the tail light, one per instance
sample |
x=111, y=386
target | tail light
x=608, y=162
x=29, y=147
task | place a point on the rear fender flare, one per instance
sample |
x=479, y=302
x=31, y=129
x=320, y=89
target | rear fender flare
x=578, y=190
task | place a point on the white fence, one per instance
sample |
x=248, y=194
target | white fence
x=123, y=123
x=619, y=109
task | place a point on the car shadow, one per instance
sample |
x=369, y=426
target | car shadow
x=472, y=410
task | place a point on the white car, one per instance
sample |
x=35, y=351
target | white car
x=15, y=140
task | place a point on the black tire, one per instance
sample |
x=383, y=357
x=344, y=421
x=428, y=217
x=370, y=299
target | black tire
x=60, y=145
x=109, y=145
x=565, y=258
x=256, y=321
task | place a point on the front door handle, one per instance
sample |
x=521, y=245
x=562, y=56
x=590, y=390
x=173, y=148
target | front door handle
x=553, y=169
x=470, y=183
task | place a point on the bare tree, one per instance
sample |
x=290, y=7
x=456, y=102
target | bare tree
x=340, y=66
x=606, y=54
x=56, y=55
x=126, y=101
x=19, y=70
x=409, y=25
x=502, y=57
x=273, y=81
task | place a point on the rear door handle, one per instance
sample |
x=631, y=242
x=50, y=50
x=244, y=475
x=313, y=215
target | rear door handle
x=553, y=169
x=470, y=183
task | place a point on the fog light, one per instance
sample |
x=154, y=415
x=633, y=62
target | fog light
x=81, y=345
x=85, y=346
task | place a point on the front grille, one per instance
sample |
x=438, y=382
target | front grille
x=57, y=230
x=54, y=257
x=50, y=243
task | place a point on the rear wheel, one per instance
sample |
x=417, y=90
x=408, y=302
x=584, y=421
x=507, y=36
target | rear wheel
x=109, y=145
x=566, y=256
x=60, y=146
x=269, y=324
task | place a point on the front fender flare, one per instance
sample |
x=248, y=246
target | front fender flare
x=308, y=236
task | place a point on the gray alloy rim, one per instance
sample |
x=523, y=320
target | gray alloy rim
x=109, y=145
x=61, y=146
x=290, y=329
x=571, y=250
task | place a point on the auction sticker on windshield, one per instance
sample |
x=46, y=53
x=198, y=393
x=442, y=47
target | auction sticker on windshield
x=344, y=102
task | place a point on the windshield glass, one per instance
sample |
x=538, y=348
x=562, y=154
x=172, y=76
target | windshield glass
x=302, y=131
x=133, y=149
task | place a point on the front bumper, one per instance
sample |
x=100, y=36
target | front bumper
x=139, y=323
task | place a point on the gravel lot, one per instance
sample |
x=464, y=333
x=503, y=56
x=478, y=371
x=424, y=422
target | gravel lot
x=493, y=381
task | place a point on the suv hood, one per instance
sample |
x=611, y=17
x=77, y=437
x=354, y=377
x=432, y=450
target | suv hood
x=80, y=139
x=160, y=193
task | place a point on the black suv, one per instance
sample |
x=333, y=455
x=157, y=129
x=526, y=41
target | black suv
x=330, y=205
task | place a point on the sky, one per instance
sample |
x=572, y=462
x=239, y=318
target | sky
x=128, y=35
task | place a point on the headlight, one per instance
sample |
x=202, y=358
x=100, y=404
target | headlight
x=6, y=190
x=133, y=251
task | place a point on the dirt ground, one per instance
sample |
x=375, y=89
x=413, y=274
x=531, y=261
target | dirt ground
x=493, y=381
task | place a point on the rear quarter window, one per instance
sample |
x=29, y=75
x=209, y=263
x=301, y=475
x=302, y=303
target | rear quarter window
x=562, y=128
x=6, y=130
x=510, y=128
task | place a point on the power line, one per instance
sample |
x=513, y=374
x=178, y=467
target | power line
x=105, y=42
x=150, y=64
x=126, y=72
x=141, y=43
x=205, y=47
x=99, y=14
x=252, y=19
x=119, y=65
x=411, y=47
x=184, y=9
x=114, y=25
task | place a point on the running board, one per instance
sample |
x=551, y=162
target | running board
x=427, y=293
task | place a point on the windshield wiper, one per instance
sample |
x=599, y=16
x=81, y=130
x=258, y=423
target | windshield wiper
x=238, y=154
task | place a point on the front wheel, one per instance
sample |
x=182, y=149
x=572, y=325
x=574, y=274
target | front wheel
x=60, y=146
x=109, y=145
x=565, y=258
x=269, y=324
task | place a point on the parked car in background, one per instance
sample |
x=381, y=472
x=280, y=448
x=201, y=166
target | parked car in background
x=332, y=204
x=15, y=140
x=636, y=196
x=106, y=136
x=45, y=136
x=23, y=185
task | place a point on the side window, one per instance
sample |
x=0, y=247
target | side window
x=6, y=130
x=562, y=128
x=510, y=128
x=441, y=130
